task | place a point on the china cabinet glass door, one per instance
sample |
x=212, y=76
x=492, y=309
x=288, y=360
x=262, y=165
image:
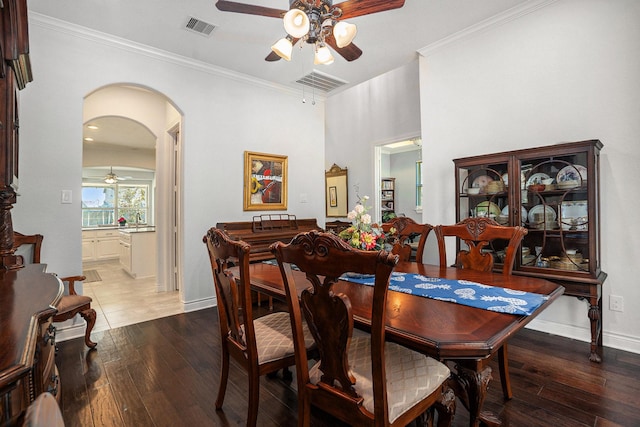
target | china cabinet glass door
x=553, y=191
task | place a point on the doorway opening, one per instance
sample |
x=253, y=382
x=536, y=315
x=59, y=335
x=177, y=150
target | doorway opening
x=132, y=169
x=398, y=179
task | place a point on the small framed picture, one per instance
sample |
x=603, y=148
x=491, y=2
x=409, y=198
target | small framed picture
x=333, y=197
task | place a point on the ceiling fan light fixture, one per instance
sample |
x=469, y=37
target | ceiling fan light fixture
x=296, y=23
x=344, y=33
x=323, y=56
x=111, y=178
x=283, y=48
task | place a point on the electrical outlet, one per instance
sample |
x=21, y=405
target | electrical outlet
x=616, y=303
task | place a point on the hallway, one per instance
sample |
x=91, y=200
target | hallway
x=120, y=300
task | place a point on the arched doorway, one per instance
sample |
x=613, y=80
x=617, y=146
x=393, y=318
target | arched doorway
x=137, y=130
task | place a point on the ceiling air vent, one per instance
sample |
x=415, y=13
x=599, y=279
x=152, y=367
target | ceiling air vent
x=320, y=81
x=197, y=26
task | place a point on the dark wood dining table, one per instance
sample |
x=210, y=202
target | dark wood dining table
x=447, y=331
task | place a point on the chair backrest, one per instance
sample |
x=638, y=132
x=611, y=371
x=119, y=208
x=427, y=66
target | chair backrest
x=478, y=233
x=324, y=257
x=35, y=240
x=406, y=228
x=233, y=294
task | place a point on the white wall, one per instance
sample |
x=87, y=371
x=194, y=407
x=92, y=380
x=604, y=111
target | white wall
x=224, y=114
x=382, y=110
x=567, y=72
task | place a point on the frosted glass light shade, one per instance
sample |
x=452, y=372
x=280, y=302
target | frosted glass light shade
x=323, y=56
x=296, y=23
x=283, y=48
x=344, y=33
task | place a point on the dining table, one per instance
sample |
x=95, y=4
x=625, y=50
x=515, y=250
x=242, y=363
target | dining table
x=465, y=336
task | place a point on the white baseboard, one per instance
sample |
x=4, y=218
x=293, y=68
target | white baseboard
x=71, y=331
x=199, y=304
x=618, y=341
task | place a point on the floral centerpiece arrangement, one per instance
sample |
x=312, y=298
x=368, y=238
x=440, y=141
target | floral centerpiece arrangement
x=363, y=234
x=123, y=221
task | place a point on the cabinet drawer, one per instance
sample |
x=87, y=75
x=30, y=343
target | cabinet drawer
x=125, y=237
x=107, y=233
x=89, y=234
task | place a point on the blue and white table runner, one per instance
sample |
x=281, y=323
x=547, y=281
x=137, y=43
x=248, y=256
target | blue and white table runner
x=463, y=292
x=478, y=295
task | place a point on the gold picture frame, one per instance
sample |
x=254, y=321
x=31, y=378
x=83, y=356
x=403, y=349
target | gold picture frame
x=265, y=181
x=336, y=196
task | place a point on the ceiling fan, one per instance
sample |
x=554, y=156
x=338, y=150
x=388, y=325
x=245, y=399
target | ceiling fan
x=111, y=177
x=317, y=22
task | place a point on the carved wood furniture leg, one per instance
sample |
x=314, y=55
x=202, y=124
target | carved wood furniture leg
x=446, y=407
x=595, y=310
x=90, y=317
x=470, y=386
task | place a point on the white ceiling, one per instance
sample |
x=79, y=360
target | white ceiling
x=240, y=42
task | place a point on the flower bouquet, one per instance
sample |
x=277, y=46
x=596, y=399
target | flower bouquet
x=123, y=221
x=363, y=234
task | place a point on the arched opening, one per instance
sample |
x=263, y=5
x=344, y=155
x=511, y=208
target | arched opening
x=132, y=171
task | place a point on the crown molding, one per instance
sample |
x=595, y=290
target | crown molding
x=52, y=24
x=500, y=19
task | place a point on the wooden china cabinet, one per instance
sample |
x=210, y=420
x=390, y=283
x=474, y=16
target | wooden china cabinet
x=28, y=295
x=553, y=191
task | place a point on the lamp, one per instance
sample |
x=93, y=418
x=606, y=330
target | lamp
x=283, y=48
x=296, y=23
x=312, y=22
x=323, y=55
x=344, y=33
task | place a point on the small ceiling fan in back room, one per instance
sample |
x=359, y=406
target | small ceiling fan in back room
x=317, y=22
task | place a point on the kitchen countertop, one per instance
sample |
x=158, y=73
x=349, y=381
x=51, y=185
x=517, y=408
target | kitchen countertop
x=134, y=229
x=116, y=227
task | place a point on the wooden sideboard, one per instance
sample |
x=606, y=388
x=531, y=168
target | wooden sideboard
x=27, y=339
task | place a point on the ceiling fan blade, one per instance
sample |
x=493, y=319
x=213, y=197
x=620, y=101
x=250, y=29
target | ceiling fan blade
x=272, y=57
x=353, y=8
x=250, y=9
x=351, y=52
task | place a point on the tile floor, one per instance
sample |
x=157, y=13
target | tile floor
x=121, y=300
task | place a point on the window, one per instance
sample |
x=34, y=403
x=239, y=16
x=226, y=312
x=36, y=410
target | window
x=419, y=185
x=104, y=204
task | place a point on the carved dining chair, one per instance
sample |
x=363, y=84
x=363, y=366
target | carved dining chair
x=261, y=346
x=478, y=234
x=406, y=229
x=360, y=378
x=70, y=305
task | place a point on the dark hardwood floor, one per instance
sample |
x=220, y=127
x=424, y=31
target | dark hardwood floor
x=165, y=373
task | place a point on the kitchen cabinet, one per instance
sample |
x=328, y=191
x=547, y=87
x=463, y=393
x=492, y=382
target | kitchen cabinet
x=100, y=244
x=553, y=191
x=138, y=251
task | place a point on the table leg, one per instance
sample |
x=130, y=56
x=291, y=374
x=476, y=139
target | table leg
x=470, y=385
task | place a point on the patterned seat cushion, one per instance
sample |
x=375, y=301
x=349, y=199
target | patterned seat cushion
x=411, y=376
x=274, y=338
